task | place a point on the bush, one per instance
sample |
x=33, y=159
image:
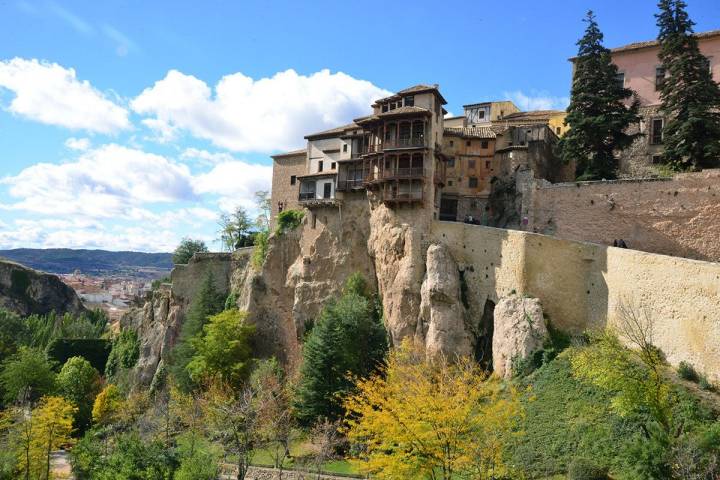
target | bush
x=79, y=383
x=288, y=220
x=124, y=354
x=687, y=372
x=261, y=249
x=187, y=248
x=94, y=350
x=583, y=469
x=705, y=384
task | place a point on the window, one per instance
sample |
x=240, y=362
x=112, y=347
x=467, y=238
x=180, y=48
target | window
x=344, y=147
x=332, y=166
x=487, y=164
x=620, y=79
x=467, y=143
x=656, y=135
x=502, y=113
x=558, y=130
x=450, y=183
x=659, y=77
x=484, y=144
x=656, y=159
x=327, y=190
x=481, y=114
x=472, y=182
x=385, y=107
x=293, y=179
x=410, y=101
x=451, y=163
x=320, y=166
x=452, y=143
x=471, y=164
x=280, y=207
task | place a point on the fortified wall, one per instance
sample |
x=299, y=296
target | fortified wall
x=581, y=286
x=678, y=216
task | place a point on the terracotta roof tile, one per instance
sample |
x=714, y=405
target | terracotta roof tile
x=333, y=131
x=654, y=43
x=293, y=153
x=470, y=132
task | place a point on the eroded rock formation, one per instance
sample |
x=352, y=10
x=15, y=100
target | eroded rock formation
x=519, y=331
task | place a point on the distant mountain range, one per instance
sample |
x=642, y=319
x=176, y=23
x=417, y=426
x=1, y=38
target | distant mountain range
x=91, y=262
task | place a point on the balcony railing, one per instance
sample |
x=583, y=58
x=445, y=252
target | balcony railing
x=368, y=149
x=354, y=184
x=405, y=142
x=413, y=196
x=403, y=172
x=305, y=196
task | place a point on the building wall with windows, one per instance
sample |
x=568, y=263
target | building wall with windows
x=287, y=169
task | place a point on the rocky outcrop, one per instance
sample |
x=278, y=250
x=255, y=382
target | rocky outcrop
x=26, y=291
x=157, y=324
x=441, y=310
x=519, y=331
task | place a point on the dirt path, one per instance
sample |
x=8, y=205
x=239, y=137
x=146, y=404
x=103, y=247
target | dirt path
x=60, y=464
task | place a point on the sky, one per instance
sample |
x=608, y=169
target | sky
x=128, y=125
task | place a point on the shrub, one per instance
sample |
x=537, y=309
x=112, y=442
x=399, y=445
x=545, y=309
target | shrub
x=187, y=248
x=583, y=469
x=27, y=375
x=687, y=372
x=705, y=384
x=289, y=220
x=79, y=383
x=94, y=350
x=124, y=354
x=261, y=250
x=231, y=301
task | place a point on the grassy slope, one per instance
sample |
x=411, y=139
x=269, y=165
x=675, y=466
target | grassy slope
x=566, y=419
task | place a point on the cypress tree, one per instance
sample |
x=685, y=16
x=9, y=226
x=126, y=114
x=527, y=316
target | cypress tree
x=598, y=116
x=690, y=97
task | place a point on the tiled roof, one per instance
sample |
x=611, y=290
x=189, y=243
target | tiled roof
x=655, y=43
x=511, y=147
x=394, y=112
x=293, y=153
x=419, y=88
x=470, y=132
x=531, y=115
x=333, y=131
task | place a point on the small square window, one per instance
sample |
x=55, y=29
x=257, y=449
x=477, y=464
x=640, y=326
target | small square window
x=410, y=101
x=471, y=164
x=484, y=144
x=452, y=143
x=385, y=107
x=467, y=143
x=332, y=166
x=657, y=159
x=320, y=166
x=293, y=179
x=450, y=183
x=451, y=163
x=472, y=182
x=620, y=79
x=344, y=147
x=487, y=164
x=659, y=77
x=558, y=130
x=656, y=135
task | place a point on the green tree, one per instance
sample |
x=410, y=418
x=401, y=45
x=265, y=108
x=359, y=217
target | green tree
x=124, y=354
x=347, y=339
x=690, y=97
x=13, y=333
x=187, y=248
x=223, y=349
x=235, y=229
x=79, y=383
x=597, y=115
x=262, y=201
x=26, y=376
x=207, y=302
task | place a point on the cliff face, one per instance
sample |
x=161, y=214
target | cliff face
x=27, y=291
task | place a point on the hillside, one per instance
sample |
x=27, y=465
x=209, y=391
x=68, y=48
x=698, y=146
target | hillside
x=90, y=262
x=26, y=292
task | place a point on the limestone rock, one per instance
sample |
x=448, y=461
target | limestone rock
x=441, y=309
x=26, y=291
x=519, y=330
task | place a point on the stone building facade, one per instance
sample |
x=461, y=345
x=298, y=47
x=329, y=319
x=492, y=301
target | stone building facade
x=287, y=169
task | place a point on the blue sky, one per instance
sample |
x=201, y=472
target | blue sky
x=129, y=124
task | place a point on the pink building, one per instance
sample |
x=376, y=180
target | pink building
x=640, y=69
x=642, y=72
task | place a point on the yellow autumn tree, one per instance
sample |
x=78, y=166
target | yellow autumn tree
x=107, y=406
x=45, y=429
x=431, y=419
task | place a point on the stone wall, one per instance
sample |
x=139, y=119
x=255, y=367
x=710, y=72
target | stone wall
x=187, y=279
x=678, y=216
x=581, y=286
x=637, y=159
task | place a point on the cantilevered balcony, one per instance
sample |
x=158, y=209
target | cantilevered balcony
x=403, y=172
x=404, y=142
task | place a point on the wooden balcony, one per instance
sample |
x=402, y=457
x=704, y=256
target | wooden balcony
x=397, y=196
x=403, y=172
x=348, y=185
x=405, y=142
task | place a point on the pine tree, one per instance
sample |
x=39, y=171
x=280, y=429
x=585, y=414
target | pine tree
x=598, y=116
x=690, y=97
x=207, y=302
x=348, y=339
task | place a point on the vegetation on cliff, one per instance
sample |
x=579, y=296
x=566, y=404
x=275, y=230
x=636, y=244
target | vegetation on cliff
x=186, y=249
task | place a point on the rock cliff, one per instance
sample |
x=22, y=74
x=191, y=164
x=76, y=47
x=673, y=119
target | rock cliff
x=27, y=291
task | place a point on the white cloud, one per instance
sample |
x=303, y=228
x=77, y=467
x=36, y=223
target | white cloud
x=51, y=94
x=110, y=181
x=235, y=182
x=244, y=114
x=204, y=157
x=536, y=100
x=80, y=144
